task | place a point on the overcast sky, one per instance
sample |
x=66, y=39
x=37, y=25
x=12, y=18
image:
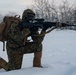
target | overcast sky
x=19, y=5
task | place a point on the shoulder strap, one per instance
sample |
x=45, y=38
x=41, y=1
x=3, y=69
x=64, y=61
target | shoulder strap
x=4, y=30
x=4, y=36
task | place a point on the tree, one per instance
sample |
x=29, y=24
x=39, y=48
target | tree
x=74, y=16
x=44, y=9
x=65, y=12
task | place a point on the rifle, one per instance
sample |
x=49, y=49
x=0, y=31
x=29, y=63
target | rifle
x=66, y=24
x=36, y=24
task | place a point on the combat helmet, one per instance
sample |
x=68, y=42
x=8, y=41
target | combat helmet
x=28, y=14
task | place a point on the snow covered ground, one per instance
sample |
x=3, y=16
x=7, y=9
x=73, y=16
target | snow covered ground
x=59, y=56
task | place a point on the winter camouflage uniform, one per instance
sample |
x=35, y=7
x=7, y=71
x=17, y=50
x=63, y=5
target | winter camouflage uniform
x=17, y=46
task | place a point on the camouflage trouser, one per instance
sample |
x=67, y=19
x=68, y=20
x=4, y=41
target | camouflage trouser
x=15, y=56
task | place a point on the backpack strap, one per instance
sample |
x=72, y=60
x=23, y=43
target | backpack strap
x=4, y=36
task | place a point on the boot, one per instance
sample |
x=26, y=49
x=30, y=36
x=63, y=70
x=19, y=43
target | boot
x=37, y=59
x=3, y=64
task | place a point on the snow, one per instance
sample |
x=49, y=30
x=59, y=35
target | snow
x=59, y=56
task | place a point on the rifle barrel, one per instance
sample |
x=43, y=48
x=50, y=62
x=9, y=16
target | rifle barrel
x=65, y=24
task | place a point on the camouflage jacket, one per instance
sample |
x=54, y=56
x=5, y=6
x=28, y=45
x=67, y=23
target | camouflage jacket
x=15, y=36
x=18, y=38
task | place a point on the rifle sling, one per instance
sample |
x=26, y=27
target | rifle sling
x=4, y=36
x=50, y=30
x=46, y=32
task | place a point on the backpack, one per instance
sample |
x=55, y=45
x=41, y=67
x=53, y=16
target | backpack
x=4, y=27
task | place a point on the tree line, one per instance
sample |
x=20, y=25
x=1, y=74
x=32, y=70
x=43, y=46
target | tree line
x=64, y=12
x=51, y=12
